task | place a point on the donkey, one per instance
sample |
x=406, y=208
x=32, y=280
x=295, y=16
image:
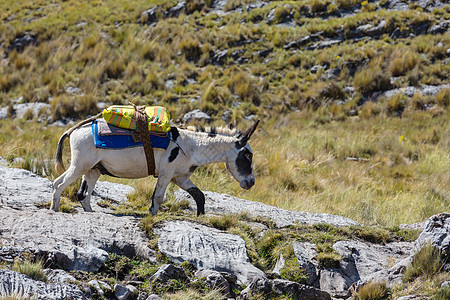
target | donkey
x=187, y=150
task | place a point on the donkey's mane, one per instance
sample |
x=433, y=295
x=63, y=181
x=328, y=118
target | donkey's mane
x=212, y=131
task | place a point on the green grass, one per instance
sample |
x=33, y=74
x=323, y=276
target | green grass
x=33, y=269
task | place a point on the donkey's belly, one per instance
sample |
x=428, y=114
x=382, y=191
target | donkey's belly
x=125, y=163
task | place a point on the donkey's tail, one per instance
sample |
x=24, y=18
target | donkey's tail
x=59, y=163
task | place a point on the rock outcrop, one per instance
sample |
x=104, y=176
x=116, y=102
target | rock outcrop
x=206, y=248
x=23, y=287
x=226, y=204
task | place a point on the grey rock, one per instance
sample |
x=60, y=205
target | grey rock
x=196, y=115
x=378, y=30
x=153, y=297
x=58, y=276
x=316, y=69
x=332, y=73
x=176, y=10
x=281, y=287
x=257, y=286
x=122, y=292
x=20, y=109
x=149, y=16
x=206, y=248
x=414, y=226
x=306, y=253
x=438, y=28
x=362, y=263
x=20, y=43
x=327, y=43
x=279, y=265
x=115, y=192
x=226, y=204
x=445, y=284
x=298, y=291
x=369, y=258
x=436, y=233
x=74, y=241
x=21, y=189
x=3, y=162
x=214, y=279
x=73, y=90
x=409, y=297
x=96, y=285
x=167, y=272
x=219, y=58
x=13, y=283
x=396, y=5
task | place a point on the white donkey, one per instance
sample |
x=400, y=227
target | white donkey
x=187, y=151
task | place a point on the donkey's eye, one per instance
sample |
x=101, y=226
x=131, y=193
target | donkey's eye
x=249, y=156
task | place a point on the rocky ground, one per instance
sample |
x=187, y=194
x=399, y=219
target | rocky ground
x=70, y=243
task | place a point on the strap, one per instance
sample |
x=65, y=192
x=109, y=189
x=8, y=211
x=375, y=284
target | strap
x=143, y=135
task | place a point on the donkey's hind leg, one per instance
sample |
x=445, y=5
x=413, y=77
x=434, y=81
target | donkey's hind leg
x=86, y=188
x=63, y=181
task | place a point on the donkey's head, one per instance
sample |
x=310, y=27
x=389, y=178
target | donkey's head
x=240, y=159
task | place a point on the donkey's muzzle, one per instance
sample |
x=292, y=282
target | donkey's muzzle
x=247, y=183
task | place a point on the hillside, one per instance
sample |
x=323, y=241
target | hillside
x=353, y=98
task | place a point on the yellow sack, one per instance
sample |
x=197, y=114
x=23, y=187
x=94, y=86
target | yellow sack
x=122, y=116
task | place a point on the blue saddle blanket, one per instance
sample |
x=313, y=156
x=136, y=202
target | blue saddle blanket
x=124, y=140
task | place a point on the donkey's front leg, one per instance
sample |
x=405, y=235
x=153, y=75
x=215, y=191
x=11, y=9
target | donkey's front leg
x=186, y=184
x=158, y=194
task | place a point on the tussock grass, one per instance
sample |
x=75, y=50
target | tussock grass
x=33, y=269
x=427, y=263
x=372, y=291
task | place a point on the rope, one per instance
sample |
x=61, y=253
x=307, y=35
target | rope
x=142, y=134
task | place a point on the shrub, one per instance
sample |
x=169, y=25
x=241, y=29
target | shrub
x=332, y=91
x=443, y=97
x=371, y=79
x=242, y=85
x=31, y=269
x=318, y=6
x=369, y=109
x=402, y=62
x=396, y=104
x=372, y=291
x=426, y=262
x=115, y=68
x=190, y=47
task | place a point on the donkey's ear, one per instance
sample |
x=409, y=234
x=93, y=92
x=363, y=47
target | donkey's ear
x=245, y=136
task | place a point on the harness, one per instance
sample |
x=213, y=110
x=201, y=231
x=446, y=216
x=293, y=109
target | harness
x=142, y=134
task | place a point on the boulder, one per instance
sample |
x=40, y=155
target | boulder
x=196, y=115
x=176, y=10
x=149, y=16
x=226, y=204
x=279, y=287
x=58, y=276
x=436, y=233
x=298, y=291
x=360, y=261
x=206, y=248
x=167, y=272
x=122, y=292
x=21, y=42
x=21, y=189
x=306, y=256
x=214, y=279
x=76, y=242
x=13, y=283
x=19, y=110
